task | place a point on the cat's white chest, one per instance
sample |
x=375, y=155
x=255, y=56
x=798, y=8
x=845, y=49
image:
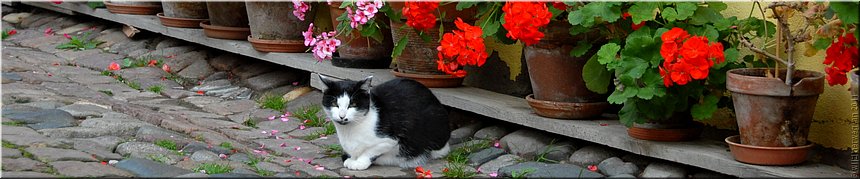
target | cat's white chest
x=357, y=137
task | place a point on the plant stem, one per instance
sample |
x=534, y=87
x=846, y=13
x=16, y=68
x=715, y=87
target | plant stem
x=760, y=51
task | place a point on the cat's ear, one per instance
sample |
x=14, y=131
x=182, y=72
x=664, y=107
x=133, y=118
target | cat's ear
x=326, y=80
x=365, y=84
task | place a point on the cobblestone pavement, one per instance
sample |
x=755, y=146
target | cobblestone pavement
x=65, y=115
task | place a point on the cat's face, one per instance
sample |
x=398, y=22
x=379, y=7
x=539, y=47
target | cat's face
x=346, y=101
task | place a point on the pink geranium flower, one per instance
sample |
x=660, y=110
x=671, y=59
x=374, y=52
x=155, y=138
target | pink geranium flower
x=300, y=8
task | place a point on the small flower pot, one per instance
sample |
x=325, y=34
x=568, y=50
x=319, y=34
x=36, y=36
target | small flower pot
x=273, y=24
x=133, y=7
x=286, y=46
x=224, y=32
x=759, y=155
x=431, y=81
x=361, y=52
x=771, y=113
x=183, y=14
x=179, y=22
x=564, y=110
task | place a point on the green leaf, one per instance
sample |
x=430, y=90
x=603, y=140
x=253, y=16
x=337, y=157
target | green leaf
x=705, y=15
x=724, y=24
x=596, y=77
x=643, y=11
x=633, y=66
x=711, y=33
x=616, y=97
x=581, y=47
x=628, y=114
x=501, y=36
x=393, y=15
x=126, y=62
x=578, y=29
x=575, y=17
x=705, y=109
x=718, y=6
x=606, y=11
x=607, y=53
x=669, y=14
x=646, y=93
x=822, y=43
x=372, y=31
x=95, y=4
x=491, y=28
x=398, y=48
x=466, y=4
x=685, y=10
x=424, y=37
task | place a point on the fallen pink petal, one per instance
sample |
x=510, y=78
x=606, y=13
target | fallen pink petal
x=283, y=144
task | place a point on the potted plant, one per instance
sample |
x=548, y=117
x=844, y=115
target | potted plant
x=668, y=61
x=133, y=7
x=227, y=20
x=416, y=29
x=278, y=26
x=364, y=33
x=183, y=14
x=775, y=106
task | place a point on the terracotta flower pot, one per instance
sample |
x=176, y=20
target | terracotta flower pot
x=556, y=76
x=767, y=155
x=227, y=20
x=133, y=7
x=361, y=52
x=273, y=23
x=419, y=57
x=224, y=32
x=564, y=110
x=431, y=81
x=771, y=113
x=286, y=46
x=183, y=14
x=679, y=127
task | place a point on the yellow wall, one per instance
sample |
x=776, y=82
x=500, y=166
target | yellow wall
x=833, y=117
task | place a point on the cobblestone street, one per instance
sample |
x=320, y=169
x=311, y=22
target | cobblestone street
x=175, y=109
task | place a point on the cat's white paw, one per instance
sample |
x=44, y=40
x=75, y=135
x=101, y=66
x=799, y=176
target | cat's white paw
x=348, y=162
x=357, y=164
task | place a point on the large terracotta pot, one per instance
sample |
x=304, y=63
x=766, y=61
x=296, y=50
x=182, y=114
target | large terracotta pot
x=227, y=20
x=191, y=10
x=362, y=52
x=183, y=14
x=557, y=77
x=419, y=57
x=273, y=23
x=771, y=113
x=227, y=14
x=133, y=7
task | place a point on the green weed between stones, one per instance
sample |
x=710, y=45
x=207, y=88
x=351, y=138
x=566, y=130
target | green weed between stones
x=250, y=123
x=109, y=93
x=461, y=155
x=226, y=145
x=273, y=102
x=522, y=173
x=211, y=168
x=80, y=42
x=541, y=157
x=14, y=123
x=457, y=170
x=7, y=144
x=159, y=158
x=167, y=144
x=333, y=150
x=311, y=117
x=155, y=89
x=149, y=60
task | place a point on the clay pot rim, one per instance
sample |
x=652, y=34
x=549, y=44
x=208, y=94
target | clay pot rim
x=284, y=41
x=815, y=74
x=205, y=24
x=531, y=98
x=738, y=82
x=107, y=3
x=413, y=75
x=731, y=141
x=161, y=15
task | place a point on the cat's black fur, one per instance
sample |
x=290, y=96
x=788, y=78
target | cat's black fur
x=408, y=112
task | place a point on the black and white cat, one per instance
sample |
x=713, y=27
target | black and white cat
x=397, y=123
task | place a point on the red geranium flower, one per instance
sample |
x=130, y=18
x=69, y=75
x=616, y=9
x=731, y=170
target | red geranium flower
x=634, y=26
x=692, y=61
x=461, y=47
x=524, y=19
x=842, y=56
x=559, y=5
x=420, y=15
x=165, y=68
x=12, y=32
x=422, y=173
x=152, y=63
